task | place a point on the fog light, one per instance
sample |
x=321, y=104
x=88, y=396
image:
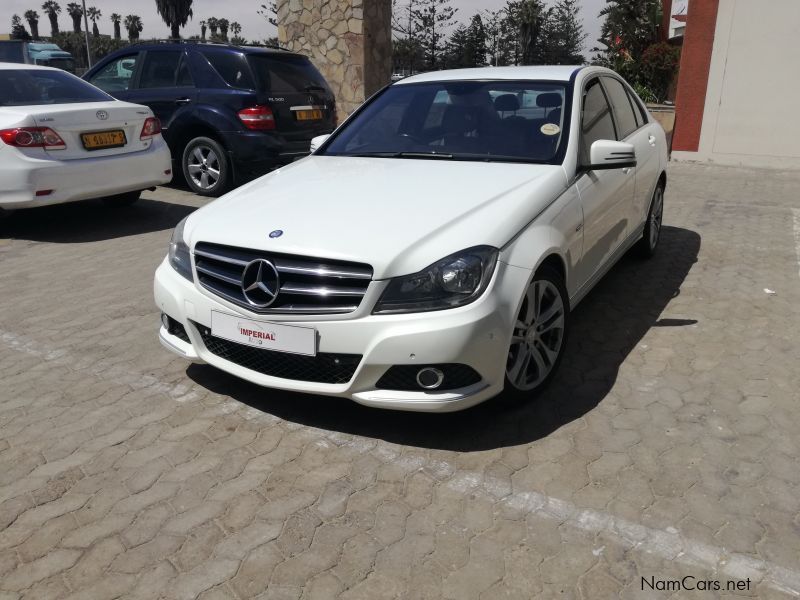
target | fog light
x=165, y=320
x=430, y=378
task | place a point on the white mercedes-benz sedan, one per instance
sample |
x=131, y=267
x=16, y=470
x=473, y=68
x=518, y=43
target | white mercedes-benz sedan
x=62, y=139
x=427, y=254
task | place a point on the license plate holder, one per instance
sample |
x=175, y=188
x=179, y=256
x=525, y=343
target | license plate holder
x=103, y=140
x=308, y=114
x=278, y=337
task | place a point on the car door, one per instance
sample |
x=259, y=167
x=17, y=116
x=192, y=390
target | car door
x=165, y=85
x=117, y=77
x=635, y=128
x=606, y=195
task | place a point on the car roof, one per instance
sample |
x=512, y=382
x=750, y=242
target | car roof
x=5, y=66
x=546, y=73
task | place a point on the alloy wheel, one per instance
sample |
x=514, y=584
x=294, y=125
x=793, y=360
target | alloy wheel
x=204, y=168
x=538, y=336
x=656, y=215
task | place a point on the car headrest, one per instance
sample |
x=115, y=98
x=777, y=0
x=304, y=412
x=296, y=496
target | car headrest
x=548, y=100
x=506, y=103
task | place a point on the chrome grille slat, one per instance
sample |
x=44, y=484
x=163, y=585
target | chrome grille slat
x=308, y=285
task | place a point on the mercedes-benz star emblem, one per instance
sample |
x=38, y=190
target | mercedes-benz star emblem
x=102, y=115
x=260, y=283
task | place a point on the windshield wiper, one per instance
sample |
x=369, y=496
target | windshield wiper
x=439, y=155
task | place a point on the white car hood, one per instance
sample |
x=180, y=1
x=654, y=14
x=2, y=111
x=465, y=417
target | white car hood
x=397, y=215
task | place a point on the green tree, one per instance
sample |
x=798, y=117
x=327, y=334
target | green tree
x=203, y=28
x=175, y=13
x=224, y=24
x=116, y=19
x=270, y=13
x=133, y=24
x=467, y=45
x=430, y=20
x=32, y=17
x=18, y=31
x=52, y=9
x=563, y=35
x=213, y=26
x=93, y=13
x=629, y=27
x=75, y=12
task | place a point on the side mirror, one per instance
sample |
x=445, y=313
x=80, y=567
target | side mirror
x=608, y=154
x=316, y=142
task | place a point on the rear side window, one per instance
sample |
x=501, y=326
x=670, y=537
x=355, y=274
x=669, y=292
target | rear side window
x=34, y=87
x=232, y=67
x=621, y=104
x=159, y=69
x=286, y=74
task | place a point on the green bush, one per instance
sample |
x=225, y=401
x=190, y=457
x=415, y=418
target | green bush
x=657, y=68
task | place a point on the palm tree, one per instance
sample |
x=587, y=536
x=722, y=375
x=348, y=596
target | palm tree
x=115, y=19
x=175, y=14
x=32, y=17
x=223, y=28
x=51, y=8
x=94, y=14
x=133, y=23
x=75, y=11
x=203, y=30
x=213, y=25
x=236, y=29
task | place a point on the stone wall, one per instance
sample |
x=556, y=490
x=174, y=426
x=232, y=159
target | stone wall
x=349, y=41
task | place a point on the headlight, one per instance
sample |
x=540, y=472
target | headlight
x=179, y=256
x=453, y=281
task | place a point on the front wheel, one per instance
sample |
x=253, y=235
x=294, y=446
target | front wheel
x=539, y=337
x=652, y=228
x=206, y=167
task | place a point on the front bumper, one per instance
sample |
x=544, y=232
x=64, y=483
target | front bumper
x=476, y=335
x=81, y=179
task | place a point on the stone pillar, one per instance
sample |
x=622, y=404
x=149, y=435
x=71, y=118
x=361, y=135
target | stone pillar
x=349, y=41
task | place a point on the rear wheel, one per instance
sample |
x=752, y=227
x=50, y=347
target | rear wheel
x=539, y=337
x=652, y=228
x=125, y=199
x=206, y=167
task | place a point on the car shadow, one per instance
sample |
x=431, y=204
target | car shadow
x=91, y=221
x=606, y=326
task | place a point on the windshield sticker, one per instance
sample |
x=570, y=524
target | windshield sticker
x=550, y=129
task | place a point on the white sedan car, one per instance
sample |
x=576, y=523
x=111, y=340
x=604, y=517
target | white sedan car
x=62, y=139
x=427, y=254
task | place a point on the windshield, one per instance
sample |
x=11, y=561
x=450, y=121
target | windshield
x=503, y=121
x=25, y=87
x=286, y=74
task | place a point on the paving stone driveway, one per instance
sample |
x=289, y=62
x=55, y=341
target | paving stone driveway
x=668, y=446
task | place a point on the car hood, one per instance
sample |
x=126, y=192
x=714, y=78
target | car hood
x=398, y=215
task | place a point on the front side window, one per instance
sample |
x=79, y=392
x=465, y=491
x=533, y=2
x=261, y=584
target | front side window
x=503, y=121
x=621, y=105
x=159, y=69
x=596, y=121
x=117, y=75
x=21, y=87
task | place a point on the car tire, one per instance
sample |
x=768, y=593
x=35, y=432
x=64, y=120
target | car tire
x=647, y=246
x=125, y=199
x=539, y=336
x=206, y=167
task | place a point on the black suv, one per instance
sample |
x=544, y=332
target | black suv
x=227, y=112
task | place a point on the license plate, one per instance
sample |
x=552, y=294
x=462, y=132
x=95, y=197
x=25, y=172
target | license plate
x=313, y=114
x=99, y=140
x=293, y=339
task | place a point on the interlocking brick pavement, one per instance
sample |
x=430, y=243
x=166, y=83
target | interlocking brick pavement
x=667, y=446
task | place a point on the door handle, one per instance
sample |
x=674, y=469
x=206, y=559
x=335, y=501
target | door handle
x=183, y=101
x=652, y=140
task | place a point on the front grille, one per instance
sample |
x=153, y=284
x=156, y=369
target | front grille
x=404, y=377
x=307, y=285
x=323, y=368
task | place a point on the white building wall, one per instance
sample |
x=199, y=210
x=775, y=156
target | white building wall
x=752, y=106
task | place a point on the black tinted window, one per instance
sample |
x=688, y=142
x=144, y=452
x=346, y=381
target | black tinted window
x=184, y=78
x=117, y=75
x=596, y=121
x=621, y=104
x=11, y=52
x=232, y=67
x=159, y=69
x=286, y=75
x=34, y=87
x=638, y=109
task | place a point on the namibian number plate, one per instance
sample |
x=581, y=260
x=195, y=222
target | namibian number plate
x=311, y=114
x=99, y=140
x=267, y=336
